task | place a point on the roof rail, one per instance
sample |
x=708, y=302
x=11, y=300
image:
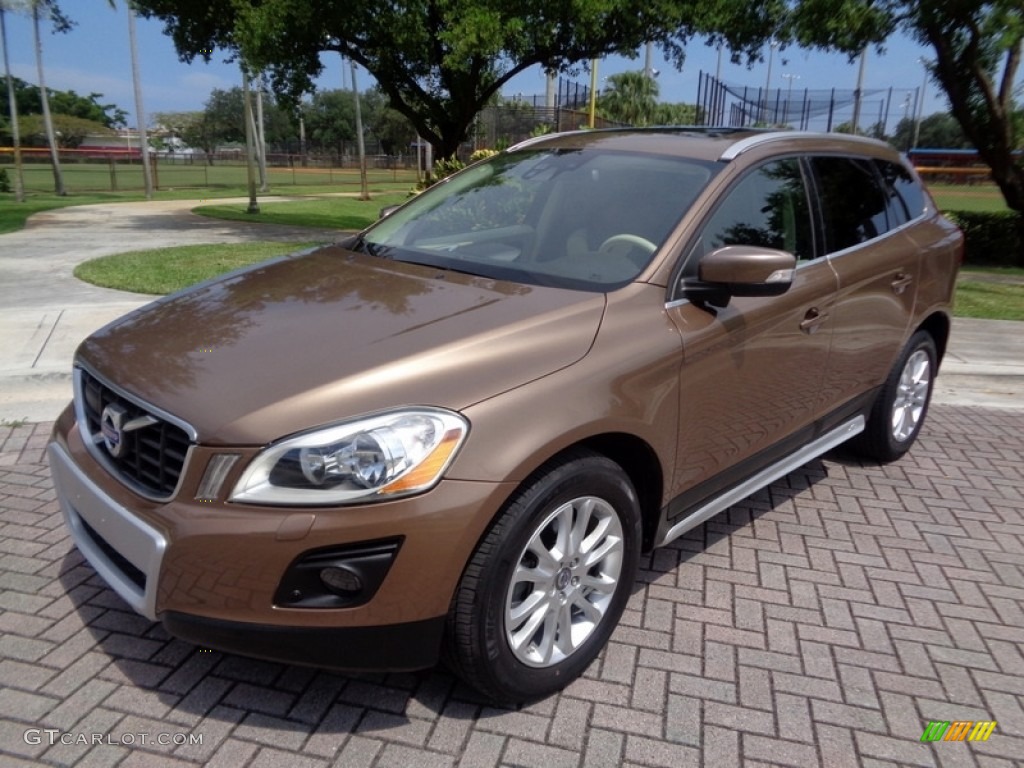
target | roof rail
x=748, y=143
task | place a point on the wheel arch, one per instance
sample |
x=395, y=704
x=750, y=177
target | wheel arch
x=938, y=326
x=640, y=461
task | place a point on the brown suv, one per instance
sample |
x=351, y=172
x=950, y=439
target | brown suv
x=455, y=433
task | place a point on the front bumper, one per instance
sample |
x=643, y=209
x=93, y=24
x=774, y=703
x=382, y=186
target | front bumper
x=122, y=548
x=210, y=572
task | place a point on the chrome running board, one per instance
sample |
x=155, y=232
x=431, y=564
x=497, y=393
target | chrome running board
x=766, y=476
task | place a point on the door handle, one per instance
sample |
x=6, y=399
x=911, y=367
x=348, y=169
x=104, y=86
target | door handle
x=900, y=282
x=812, y=320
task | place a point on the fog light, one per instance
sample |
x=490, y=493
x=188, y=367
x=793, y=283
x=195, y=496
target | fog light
x=341, y=581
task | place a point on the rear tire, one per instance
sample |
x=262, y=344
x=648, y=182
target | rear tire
x=902, y=403
x=548, y=583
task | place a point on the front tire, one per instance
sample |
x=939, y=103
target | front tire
x=548, y=583
x=902, y=404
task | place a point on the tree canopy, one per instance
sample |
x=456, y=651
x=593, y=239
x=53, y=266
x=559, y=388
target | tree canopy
x=977, y=48
x=631, y=98
x=70, y=131
x=439, y=62
x=937, y=131
x=69, y=103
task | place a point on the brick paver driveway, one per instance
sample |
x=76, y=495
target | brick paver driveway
x=824, y=621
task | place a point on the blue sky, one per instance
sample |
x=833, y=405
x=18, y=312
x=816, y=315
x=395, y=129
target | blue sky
x=94, y=57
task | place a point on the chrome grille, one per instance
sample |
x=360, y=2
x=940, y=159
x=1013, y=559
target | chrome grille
x=153, y=456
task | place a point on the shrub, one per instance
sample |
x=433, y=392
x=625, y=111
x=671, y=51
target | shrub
x=482, y=154
x=5, y=183
x=445, y=167
x=991, y=238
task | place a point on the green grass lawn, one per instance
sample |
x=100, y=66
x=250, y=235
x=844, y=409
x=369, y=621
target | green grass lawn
x=332, y=212
x=992, y=293
x=165, y=270
x=89, y=184
x=983, y=198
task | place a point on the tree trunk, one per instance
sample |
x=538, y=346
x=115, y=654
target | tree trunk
x=19, y=174
x=51, y=137
x=140, y=116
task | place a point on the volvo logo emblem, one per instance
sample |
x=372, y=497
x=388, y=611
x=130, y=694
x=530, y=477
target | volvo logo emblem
x=112, y=427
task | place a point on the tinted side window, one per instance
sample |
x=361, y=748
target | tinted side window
x=902, y=184
x=852, y=202
x=768, y=208
x=895, y=207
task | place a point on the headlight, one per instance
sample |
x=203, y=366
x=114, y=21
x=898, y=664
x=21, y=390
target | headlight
x=379, y=457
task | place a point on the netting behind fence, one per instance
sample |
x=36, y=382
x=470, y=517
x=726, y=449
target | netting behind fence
x=738, y=106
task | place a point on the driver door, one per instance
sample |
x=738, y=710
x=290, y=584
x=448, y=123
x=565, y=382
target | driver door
x=753, y=370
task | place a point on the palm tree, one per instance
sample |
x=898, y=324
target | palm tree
x=140, y=116
x=631, y=98
x=60, y=24
x=19, y=179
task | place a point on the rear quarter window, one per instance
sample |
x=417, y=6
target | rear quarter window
x=901, y=183
x=852, y=202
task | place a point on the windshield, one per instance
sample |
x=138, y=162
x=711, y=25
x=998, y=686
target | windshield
x=582, y=219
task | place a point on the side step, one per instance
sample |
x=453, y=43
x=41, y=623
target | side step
x=766, y=476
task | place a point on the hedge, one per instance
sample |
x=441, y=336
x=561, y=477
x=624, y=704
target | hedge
x=992, y=239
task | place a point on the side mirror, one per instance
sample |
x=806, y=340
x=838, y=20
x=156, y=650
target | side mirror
x=741, y=270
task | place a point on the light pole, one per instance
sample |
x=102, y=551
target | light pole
x=789, y=94
x=768, y=80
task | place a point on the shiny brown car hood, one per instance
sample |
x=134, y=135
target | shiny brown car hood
x=315, y=338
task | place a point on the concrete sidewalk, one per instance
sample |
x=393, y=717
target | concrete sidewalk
x=45, y=312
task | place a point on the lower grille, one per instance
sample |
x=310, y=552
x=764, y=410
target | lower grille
x=147, y=451
x=133, y=574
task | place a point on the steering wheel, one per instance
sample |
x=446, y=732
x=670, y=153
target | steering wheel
x=622, y=245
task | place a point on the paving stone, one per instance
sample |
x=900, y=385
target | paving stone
x=821, y=622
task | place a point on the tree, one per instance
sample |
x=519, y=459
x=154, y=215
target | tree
x=678, y=114
x=440, y=61
x=938, y=131
x=60, y=24
x=977, y=48
x=391, y=129
x=630, y=98
x=28, y=102
x=222, y=121
x=330, y=120
x=69, y=131
x=19, y=180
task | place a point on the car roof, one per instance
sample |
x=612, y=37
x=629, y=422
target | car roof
x=710, y=144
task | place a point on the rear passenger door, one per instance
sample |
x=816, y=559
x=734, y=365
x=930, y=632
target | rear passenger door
x=877, y=266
